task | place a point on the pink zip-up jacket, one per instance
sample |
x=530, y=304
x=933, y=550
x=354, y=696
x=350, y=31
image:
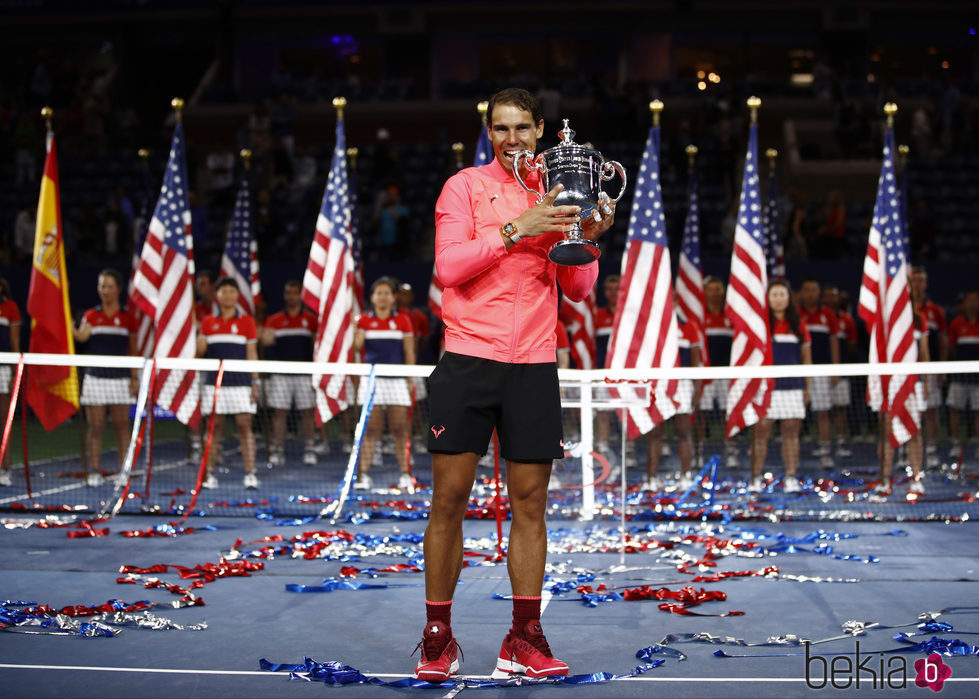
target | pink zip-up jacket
x=498, y=304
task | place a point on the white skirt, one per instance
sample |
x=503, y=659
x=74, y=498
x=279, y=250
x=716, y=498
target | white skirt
x=100, y=390
x=387, y=391
x=787, y=404
x=284, y=390
x=232, y=400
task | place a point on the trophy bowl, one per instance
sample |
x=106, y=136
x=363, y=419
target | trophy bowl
x=581, y=170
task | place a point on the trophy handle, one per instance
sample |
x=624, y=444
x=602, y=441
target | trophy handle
x=609, y=169
x=532, y=164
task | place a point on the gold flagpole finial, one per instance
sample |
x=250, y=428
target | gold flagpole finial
x=178, y=107
x=458, y=148
x=692, y=151
x=482, y=107
x=890, y=109
x=339, y=103
x=46, y=114
x=352, y=153
x=771, y=154
x=656, y=107
x=754, y=104
x=903, y=151
x=143, y=154
x=246, y=157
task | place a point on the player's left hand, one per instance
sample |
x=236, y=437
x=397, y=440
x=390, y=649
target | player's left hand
x=601, y=219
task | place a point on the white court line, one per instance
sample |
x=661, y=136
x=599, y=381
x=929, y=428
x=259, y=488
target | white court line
x=265, y=673
x=165, y=466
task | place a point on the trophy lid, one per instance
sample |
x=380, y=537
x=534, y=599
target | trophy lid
x=566, y=134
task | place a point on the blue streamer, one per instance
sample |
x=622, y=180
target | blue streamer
x=337, y=673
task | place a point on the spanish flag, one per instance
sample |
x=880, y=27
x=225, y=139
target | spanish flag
x=52, y=391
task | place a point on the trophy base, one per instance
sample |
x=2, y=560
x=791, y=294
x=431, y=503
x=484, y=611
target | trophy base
x=572, y=252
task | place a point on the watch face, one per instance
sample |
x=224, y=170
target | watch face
x=509, y=228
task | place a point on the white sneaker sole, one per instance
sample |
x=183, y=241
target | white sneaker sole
x=505, y=668
x=438, y=676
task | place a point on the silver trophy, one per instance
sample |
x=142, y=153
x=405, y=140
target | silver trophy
x=581, y=170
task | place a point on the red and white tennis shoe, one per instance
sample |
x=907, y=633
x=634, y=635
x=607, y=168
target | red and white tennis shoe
x=440, y=651
x=528, y=655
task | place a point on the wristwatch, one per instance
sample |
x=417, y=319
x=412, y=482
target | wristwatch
x=510, y=231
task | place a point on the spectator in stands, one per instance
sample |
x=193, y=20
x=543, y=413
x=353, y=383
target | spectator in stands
x=846, y=340
x=823, y=328
x=790, y=345
x=922, y=133
x=389, y=217
x=9, y=342
x=691, y=344
x=220, y=164
x=229, y=335
x=289, y=334
x=832, y=234
x=963, y=391
x=386, y=337
x=937, y=341
x=604, y=320
x=260, y=130
x=24, y=231
x=283, y=123
x=719, y=333
x=109, y=330
x=797, y=234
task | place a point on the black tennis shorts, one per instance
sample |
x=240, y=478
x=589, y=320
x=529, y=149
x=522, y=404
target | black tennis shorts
x=469, y=396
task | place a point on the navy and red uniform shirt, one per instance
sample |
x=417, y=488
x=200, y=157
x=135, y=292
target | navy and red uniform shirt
x=787, y=349
x=294, y=336
x=823, y=325
x=384, y=338
x=963, y=336
x=110, y=335
x=9, y=317
x=719, y=332
x=228, y=338
x=934, y=316
x=846, y=334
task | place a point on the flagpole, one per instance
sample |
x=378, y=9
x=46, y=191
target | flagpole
x=458, y=148
x=692, y=151
x=47, y=114
x=754, y=104
x=890, y=109
x=482, y=108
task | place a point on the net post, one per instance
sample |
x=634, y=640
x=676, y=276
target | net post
x=587, y=461
x=11, y=409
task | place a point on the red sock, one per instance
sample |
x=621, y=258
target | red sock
x=439, y=611
x=524, y=609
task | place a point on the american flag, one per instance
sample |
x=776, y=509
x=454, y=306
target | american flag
x=645, y=332
x=885, y=306
x=240, y=258
x=579, y=317
x=773, y=231
x=163, y=286
x=902, y=178
x=690, y=302
x=747, y=302
x=328, y=286
x=144, y=331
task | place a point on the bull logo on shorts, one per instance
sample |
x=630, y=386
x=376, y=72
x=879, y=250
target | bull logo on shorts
x=438, y=432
